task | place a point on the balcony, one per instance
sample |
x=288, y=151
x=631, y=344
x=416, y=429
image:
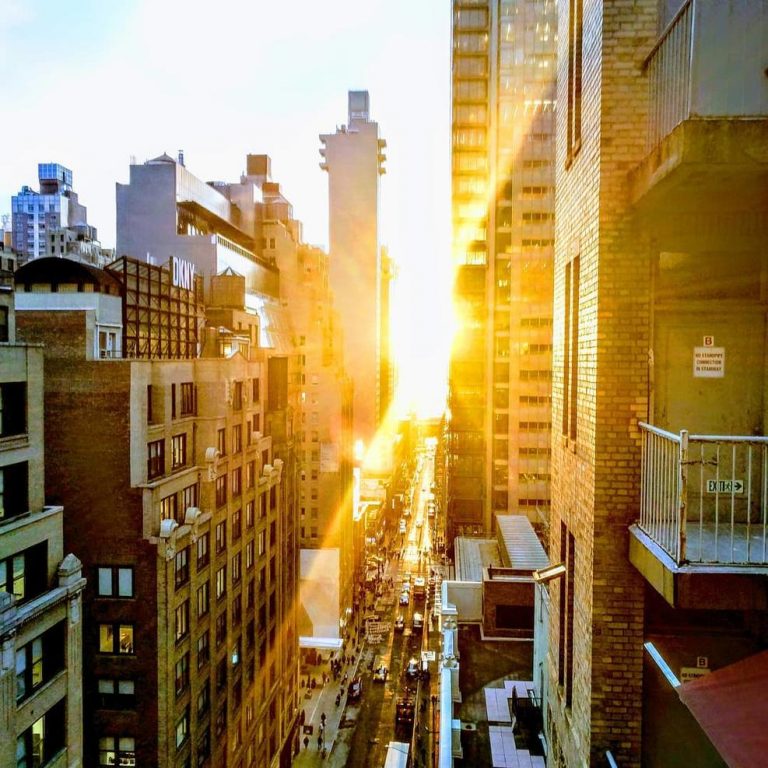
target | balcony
x=703, y=517
x=707, y=128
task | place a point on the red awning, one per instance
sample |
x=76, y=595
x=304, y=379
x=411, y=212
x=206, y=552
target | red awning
x=730, y=705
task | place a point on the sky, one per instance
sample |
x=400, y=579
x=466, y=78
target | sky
x=91, y=84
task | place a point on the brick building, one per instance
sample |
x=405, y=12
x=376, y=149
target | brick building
x=661, y=183
x=41, y=621
x=176, y=465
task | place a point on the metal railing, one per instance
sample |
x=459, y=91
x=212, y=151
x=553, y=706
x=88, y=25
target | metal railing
x=668, y=67
x=704, y=498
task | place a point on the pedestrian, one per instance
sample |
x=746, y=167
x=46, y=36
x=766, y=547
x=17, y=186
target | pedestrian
x=319, y=743
x=322, y=718
x=306, y=742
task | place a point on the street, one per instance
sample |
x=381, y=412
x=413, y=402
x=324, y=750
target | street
x=399, y=708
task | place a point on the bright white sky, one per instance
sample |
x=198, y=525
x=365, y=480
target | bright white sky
x=90, y=83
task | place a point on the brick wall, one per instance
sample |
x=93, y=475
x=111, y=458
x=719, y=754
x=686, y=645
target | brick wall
x=596, y=476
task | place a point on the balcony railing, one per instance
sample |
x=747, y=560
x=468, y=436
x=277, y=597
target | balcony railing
x=705, y=64
x=704, y=498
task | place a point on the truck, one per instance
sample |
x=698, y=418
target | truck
x=419, y=588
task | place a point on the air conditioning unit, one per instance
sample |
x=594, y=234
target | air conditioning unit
x=191, y=515
x=167, y=527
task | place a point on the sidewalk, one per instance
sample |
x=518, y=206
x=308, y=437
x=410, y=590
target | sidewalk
x=322, y=699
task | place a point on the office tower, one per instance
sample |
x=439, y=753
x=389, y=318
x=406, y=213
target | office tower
x=353, y=157
x=41, y=619
x=174, y=460
x=658, y=465
x=503, y=107
x=52, y=222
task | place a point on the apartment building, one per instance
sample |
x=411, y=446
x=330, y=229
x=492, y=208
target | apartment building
x=41, y=618
x=658, y=625
x=175, y=463
x=503, y=110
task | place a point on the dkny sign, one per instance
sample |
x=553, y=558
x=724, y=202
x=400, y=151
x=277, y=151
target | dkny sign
x=182, y=273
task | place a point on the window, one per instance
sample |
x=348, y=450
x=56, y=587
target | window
x=250, y=594
x=203, y=550
x=262, y=537
x=237, y=524
x=575, y=30
x=4, y=324
x=188, y=497
x=13, y=408
x=182, y=674
x=173, y=401
x=236, y=568
x=204, y=748
x=182, y=729
x=221, y=628
x=43, y=739
x=116, y=694
x=221, y=582
x=155, y=458
x=182, y=567
x=117, y=750
x=221, y=536
x=39, y=660
x=250, y=475
x=203, y=599
x=249, y=555
x=571, y=349
x=178, y=450
x=14, y=487
x=204, y=700
x=115, y=581
x=188, y=399
x=237, y=396
x=221, y=675
x=221, y=491
x=203, y=649
x=249, y=514
x=169, y=508
x=116, y=638
x=237, y=482
x=237, y=611
x=567, y=590
x=237, y=438
x=256, y=390
x=181, y=629
x=221, y=441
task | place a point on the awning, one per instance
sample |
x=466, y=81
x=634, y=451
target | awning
x=729, y=705
x=321, y=643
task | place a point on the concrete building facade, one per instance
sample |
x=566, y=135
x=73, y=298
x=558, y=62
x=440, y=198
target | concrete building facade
x=354, y=159
x=41, y=618
x=503, y=108
x=659, y=185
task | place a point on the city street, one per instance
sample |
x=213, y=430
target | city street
x=357, y=734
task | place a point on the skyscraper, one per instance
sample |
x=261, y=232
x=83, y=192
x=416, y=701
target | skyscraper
x=503, y=71
x=354, y=159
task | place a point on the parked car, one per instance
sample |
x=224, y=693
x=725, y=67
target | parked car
x=355, y=689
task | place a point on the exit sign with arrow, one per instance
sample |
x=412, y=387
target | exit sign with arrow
x=725, y=486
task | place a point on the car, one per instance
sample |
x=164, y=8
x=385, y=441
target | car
x=355, y=689
x=399, y=623
x=412, y=670
x=380, y=673
x=405, y=598
x=407, y=578
x=418, y=622
x=402, y=526
x=419, y=522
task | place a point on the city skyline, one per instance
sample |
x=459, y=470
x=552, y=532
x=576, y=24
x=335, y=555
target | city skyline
x=219, y=101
